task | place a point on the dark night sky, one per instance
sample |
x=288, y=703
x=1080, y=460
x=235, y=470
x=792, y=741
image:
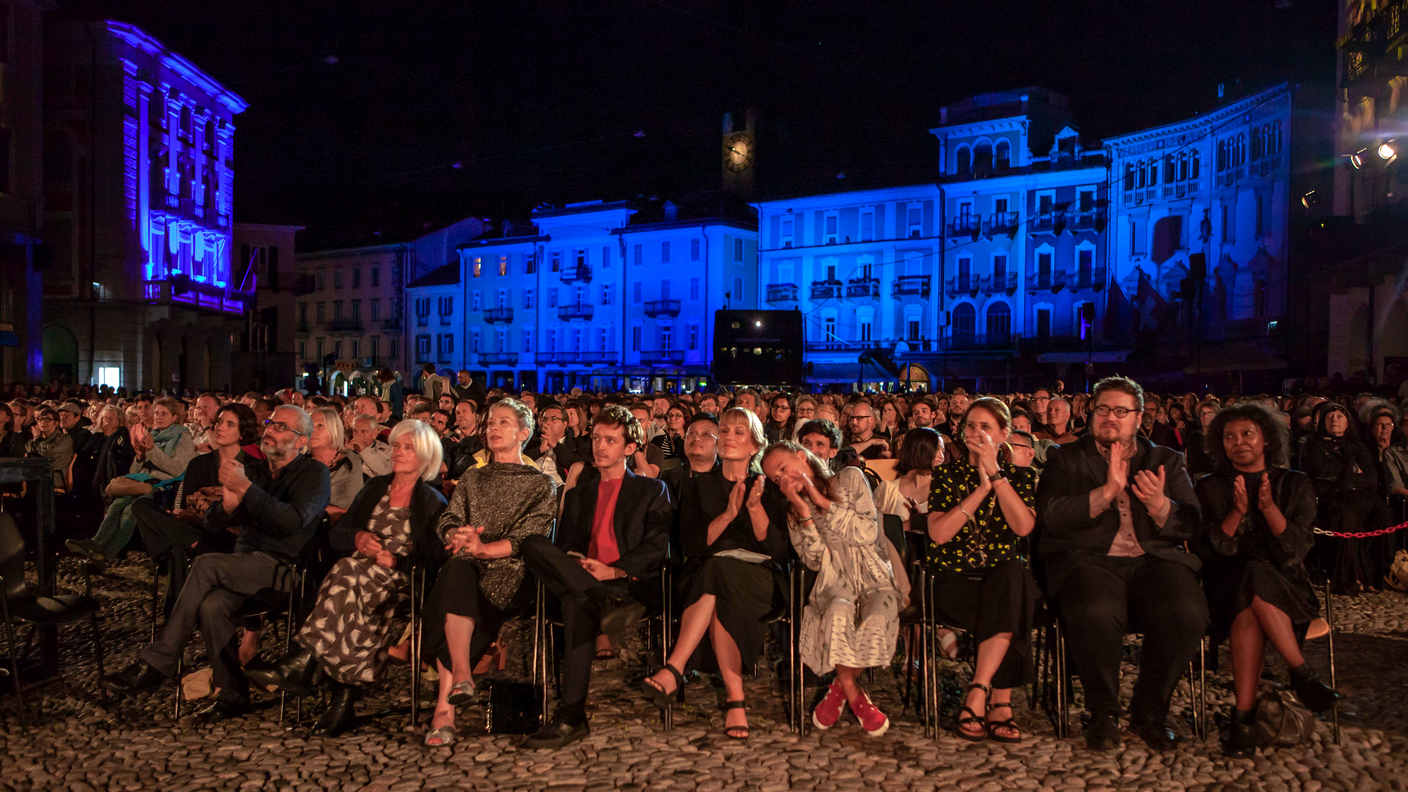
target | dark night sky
x=539, y=100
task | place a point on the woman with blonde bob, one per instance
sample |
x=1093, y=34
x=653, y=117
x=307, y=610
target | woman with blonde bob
x=733, y=546
x=389, y=527
x=851, y=619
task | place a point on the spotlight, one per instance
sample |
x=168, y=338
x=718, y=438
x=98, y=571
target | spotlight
x=1357, y=159
x=758, y=323
x=1310, y=199
x=1386, y=150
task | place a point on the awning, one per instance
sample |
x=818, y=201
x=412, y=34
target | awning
x=1235, y=357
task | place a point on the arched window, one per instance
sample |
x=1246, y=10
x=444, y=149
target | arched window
x=1221, y=156
x=982, y=158
x=1194, y=160
x=964, y=321
x=1170, y=169
x=1183, y=166
x=1129, y=176
x=1153, y=172
x=999, y=324
x=964, y=165
x=1257, y=136
x=1241, y=149
x=1276, y=138
x=1003, y=159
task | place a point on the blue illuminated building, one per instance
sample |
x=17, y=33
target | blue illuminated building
x=592, y=295
x=142, y=291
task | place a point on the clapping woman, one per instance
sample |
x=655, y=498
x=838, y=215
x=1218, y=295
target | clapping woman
x=1258, y=517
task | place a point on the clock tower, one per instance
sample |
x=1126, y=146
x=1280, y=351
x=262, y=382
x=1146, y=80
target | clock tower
x=740, y=142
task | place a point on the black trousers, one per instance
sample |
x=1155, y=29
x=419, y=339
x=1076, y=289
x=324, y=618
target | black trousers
x=579, y=594
x=218, y=585
x=1102, y=598
x=457, y=592
x=166, y=537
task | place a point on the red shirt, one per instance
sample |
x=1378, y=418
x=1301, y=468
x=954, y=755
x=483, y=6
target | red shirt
x=602, y=546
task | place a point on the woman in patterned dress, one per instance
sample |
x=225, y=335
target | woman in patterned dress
x=390, y=526
x=978, y=509
x=493, y=508
x=852, y=617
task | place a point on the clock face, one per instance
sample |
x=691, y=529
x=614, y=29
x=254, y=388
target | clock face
x=738, y=152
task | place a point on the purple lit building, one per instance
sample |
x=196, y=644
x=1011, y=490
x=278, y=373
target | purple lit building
x=141, y=291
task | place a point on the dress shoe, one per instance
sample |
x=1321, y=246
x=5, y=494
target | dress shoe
x=293, y=673
x=1103, y=732
x=619, y=617
x=1314, y=694
x=341, y=715
x=1240, y=742
x=1155, y=734
x=95, y=552
x=133, y=679
x=557, y=733
x=227, y=706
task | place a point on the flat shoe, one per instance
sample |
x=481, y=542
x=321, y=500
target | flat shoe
x=445, y=735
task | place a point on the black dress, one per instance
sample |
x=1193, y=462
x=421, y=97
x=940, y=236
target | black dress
x=1347, y=486
x=744, y=591
x=1255, y=562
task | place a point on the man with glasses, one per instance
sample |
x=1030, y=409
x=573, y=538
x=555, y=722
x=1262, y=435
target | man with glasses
x=1023, y=448
x=273, y=506
x=1040, y=401
x=1115, y=510
x=554, y=457
x=701, y=452
x=862, y=431
x=51, y=443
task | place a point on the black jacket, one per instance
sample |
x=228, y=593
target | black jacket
x=1068, y=534
x=427, y=503
x=278, y=516
x=643, y=516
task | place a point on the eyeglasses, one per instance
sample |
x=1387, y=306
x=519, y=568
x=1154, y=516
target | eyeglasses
x=1120, y=412
x=1020, y=445
x=551, y=419
x=280, y=426
x=700, y=436
x=43, y=419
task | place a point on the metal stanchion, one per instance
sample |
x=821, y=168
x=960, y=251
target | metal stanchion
x=1330, y=640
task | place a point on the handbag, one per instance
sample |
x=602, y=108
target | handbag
x=1282, y=720
x=513, y=707
x=1397, y=577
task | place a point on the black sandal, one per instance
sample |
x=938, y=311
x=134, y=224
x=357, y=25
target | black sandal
x=657, y=693
x=731, y=731
x=966, y=715
x=1010, y=723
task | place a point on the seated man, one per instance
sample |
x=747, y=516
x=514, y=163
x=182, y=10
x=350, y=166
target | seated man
x=374, y=452
x=862, y=432
x=275, y=506
x=1115, y=510
x=701, y=452
x=611, y=537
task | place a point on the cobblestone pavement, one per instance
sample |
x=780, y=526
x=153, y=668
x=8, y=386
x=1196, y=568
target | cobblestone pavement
x=136, y=744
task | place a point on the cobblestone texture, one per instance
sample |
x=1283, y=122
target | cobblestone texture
x=136, y=745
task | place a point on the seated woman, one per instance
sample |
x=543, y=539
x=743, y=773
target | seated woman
x=978, y=509
x=1258, y=528
x=851, y=618
x=160, y=455
x=326, y=446
x=671, y=441
x=1347, y=488
x=733, y=545
x=482, y=585
x=388, y=528
x=907, y=497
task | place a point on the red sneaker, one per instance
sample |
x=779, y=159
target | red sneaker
x=829, y=710
x=871, y=718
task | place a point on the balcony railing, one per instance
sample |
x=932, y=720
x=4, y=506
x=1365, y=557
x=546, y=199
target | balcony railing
x=493, y=315
x=344, y=326
x=575, y=311
x=660, y=356
x=580, y=358
x=782, y=292
x=973, y=341
x=1055, y=280
x=1095, y=218
x=1002, y=222
x=835, y=346
x=498, y=358
x=662, y=308
x=994, y=284
x=962, y=284
x=911, y=285
x=577, y=272
x=825, y=289
x=863, y=287
x=965, y=225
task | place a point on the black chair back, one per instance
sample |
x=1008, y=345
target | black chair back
x=12, y=560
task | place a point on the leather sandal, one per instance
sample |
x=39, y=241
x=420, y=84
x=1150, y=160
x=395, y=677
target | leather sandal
x=966, y=715
x=441, y=737
x=1009, y=724
x=462, y=694
x=732, y=732
x=657, y=693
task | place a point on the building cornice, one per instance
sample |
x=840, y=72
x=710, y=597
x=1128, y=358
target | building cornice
x=1217, y=117
x=140, y=40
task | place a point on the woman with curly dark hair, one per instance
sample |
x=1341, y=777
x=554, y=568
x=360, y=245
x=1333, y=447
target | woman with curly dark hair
x=1258, y=519
x=1347, y=485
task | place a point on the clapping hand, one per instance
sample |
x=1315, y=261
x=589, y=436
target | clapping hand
x=987, y=455
x=1117, y=476
x=1264, y=501
x=1239, y=495
x=736, y=496
x=465, y=539
x=755, y=496
x=1149, y=488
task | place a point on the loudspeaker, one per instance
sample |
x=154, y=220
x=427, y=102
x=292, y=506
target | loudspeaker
x=758, y=347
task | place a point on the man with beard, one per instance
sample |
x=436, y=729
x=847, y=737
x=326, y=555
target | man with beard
x=1116, y=510
x=274, y=506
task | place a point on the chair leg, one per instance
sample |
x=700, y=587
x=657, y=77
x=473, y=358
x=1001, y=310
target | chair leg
x=11, y=647
x=98, y=653
x=1063, y=726
x=1330, y=643
x=417, y=591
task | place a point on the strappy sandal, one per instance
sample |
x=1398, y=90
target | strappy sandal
x=445, y=736
x=732, y=732
x=966, y=715
x=657, y=693
x=1011, y=723
x=462, y=694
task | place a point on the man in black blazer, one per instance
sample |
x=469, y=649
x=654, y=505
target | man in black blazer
x=1115, y=510
x=612, y=536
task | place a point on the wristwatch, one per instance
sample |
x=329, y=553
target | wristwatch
x=996, y=477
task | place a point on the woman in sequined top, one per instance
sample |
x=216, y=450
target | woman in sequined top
x=978, y=509
x=493, y=508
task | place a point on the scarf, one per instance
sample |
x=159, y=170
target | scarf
x=167, y=439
